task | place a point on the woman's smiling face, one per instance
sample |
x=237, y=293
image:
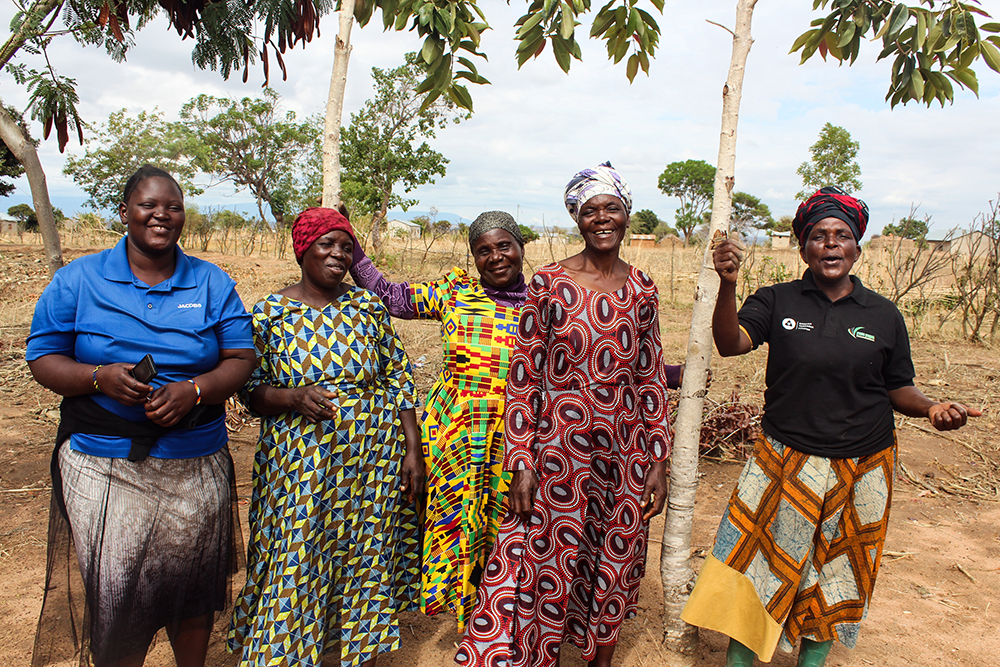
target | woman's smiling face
x=603, y=220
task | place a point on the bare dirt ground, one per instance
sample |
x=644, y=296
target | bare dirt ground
x=937, y=601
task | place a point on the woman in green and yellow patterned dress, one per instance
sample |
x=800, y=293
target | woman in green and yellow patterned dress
x=463, y=418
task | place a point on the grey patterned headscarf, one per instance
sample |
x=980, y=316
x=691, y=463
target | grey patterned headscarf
x=491, y=220
x=601, y=180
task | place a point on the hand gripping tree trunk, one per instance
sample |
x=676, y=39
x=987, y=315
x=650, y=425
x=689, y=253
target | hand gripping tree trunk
x=335, y=107
x=675, y=559
x=24, y=150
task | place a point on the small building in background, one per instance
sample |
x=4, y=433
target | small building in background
x=643, y=241
x=671, y=241
x=781, y=240
x=8, y=225
x=404, y=228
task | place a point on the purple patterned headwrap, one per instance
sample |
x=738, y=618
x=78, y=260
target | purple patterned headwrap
x=601, y=180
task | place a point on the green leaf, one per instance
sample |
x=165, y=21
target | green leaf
x=532, y=21
x=897, y=19
x=990, y=27
x=847, y=35
x=917, y=85
x=561, y=53
x=967, y=78
x=633, y=67
x=568, y=24
x=460, y=96
x=991, y=55
x=801, y=40
x=921, y=34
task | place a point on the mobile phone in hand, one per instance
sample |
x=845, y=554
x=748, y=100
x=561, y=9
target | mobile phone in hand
x=145, y=370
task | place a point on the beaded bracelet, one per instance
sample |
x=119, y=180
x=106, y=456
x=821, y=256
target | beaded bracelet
x=94, y=376
x=197, y=389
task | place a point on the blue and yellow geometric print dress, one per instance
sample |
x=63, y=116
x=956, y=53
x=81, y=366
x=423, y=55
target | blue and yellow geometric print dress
x=334, y=551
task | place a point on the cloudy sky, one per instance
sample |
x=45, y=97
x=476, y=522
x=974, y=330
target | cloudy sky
x=533, y=128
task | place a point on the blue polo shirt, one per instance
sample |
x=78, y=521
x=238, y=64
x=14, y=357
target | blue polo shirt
x=96, y=311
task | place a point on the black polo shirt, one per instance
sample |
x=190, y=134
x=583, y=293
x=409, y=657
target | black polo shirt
x=830, y=366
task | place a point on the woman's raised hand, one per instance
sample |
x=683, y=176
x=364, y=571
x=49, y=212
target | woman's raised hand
x=727, y=257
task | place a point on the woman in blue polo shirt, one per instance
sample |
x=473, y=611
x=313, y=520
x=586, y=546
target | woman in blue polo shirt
x=798, y=549
x=141, y=470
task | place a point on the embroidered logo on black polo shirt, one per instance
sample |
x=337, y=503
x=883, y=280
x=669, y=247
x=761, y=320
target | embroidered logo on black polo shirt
x=792, y=325
x=856, y=332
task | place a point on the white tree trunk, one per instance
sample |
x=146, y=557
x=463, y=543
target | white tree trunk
x=675, y=559
x=26, y=154
x=335, y=107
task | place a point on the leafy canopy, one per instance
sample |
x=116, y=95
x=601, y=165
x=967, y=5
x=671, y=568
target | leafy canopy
x=124, y=143
x=644, y=222
x=251, y=144
x=692, y=182
x=749, y=213
x=834, y=162
x=908, y=228
x=934, y=43
x=384, y=145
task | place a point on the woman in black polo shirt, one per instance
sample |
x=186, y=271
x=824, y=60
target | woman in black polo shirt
x=798, y=549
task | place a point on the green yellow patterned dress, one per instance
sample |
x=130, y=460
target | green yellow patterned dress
x=334, y=547
x=463, y=439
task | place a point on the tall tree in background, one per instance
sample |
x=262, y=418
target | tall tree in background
x=124, y=143
x=691, y=182
x=908, y=228
x=385, y=143
x=644, y=222
x=834, y=162
x=251, y=144
x=749, y=213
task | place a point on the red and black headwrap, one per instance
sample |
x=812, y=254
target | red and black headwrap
x=830, y=202
x=315, y=222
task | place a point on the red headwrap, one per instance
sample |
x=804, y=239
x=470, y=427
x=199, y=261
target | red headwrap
x=830, y=202
x=315, y=222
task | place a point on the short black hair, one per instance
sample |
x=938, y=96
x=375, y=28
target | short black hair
x=141, y=174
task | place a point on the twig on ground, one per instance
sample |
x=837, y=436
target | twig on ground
x=962, y=570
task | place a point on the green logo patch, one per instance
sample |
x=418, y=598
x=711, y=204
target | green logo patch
x=857, y=332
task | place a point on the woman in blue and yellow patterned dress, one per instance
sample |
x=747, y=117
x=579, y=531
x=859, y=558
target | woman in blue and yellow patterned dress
x=334, y=548
x=463, y=418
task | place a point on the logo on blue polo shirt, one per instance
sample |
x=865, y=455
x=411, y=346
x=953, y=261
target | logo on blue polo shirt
x=856, y=332
x=189, y=305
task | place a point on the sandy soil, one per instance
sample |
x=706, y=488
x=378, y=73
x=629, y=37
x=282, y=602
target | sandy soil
x=936, y=601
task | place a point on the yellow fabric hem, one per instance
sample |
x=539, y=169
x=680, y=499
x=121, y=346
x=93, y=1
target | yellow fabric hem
x=724, y=600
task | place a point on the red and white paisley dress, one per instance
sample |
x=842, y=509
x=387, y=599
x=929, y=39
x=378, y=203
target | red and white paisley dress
x=587, y=410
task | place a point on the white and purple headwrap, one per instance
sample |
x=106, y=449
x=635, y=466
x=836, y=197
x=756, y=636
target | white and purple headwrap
x=601, y=180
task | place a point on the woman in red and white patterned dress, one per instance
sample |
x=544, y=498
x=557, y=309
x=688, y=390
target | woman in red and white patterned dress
x=587, y=440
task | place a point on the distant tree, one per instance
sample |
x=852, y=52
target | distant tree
x=251, y=144
x=528, y=234
x=833, y=163
x=690, y=181
x=384, y=145
x=749, y=213
x=908, y=228
x=25, y=216
x=644, y=222
x=663, y=229
x=123, y=144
